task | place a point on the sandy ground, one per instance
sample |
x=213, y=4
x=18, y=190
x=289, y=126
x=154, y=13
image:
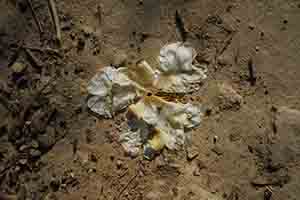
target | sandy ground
x=52, y=147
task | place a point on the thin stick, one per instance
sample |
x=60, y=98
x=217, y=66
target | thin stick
x=35, y=17
x=125, y=187
x=49, y=50
x=32, y=59
x=55, y=19
x=16, y=54
x=252, y=77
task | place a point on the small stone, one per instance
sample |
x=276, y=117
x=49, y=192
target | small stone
x=23, y=161
x=23, y=147
x=285, y=21
x=17, y=169
x=257, y=48
x=192, y=154
x=120, y=59
x=87, y=31
x=119, y=164
x=215, y=139
x=34, y=144
x=66, y=26
x=251, y=26
x=196, y=172
x=224, y=59
x=18, y=67
x=51, y=196
x=35, y=153
x=92, y=170
x=217, y=150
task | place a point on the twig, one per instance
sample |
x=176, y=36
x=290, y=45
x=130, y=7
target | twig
x=35, y=17
x=125, y=187
x=32, y=59
x=55, y=19
x=252, y=77
x=48, y=50
x=180, y=26
x=227, y=43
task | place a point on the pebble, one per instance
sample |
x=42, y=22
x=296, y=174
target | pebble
x=35, y=153
x=34, y=144
x=92, y=170
x=18, y=67
x=224, y=59
x=192, y=154
x=251, y=26
x=215, y=139
x=119, y=164
x=23, y=161
x=217, y=150
x=23, y=147
x=87, y=31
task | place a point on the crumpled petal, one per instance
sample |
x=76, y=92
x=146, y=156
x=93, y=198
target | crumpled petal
x=156, y=123
x=111, y=91
x=167, y=121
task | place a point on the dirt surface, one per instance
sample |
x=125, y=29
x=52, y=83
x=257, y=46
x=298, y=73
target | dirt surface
x=247, y=146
